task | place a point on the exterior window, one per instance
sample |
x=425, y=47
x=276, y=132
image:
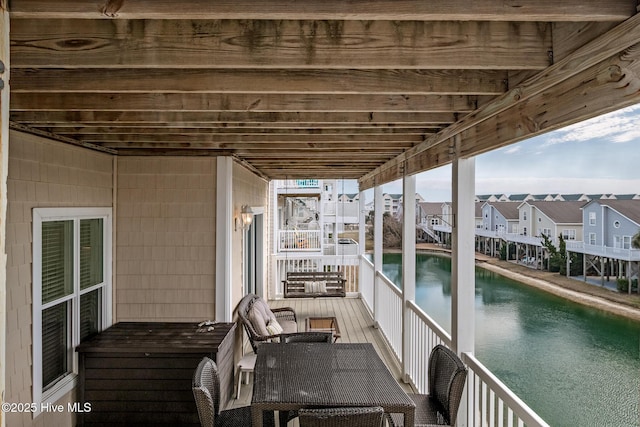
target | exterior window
x=592, y=218
x=71, y=292
x=617, y=242
x=524, y=215
x=545, y=231
x=616, y=224
x=539, y=219
x=569, y=234
x=626, y=242
x=592, y=238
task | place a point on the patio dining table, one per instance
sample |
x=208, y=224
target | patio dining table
x=315, y=375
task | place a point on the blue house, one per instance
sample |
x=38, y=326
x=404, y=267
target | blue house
x=609, y=226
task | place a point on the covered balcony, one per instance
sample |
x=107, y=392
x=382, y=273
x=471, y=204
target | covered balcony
x=147, y=129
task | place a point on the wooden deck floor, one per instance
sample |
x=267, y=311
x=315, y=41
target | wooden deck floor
x=355, y=325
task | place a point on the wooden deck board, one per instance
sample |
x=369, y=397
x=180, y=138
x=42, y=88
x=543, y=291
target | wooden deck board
x=356, y=326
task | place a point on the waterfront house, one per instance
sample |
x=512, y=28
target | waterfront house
x=609, y=226
x=551, y=219
x=151, y=132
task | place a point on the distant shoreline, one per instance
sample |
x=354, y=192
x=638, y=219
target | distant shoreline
x=547, y=284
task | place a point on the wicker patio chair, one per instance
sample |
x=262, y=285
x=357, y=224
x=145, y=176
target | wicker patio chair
x=206, y=391
x=317, y=337
x=301, y=337
x=255, y=314
x=342, y=417
x=447, y=376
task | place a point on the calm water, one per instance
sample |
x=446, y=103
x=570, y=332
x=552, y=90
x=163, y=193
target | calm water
x=575, y=366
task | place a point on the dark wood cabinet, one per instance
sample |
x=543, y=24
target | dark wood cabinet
x=137, y=373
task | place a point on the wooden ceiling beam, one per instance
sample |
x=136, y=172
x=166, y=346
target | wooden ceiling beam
x=255, y=139
x=241, y=102
x=277, y=146
x=303, y=132
x=576, y=68
x=232, y=119
x=480, y=82
x=280, y=44
x=534, y=10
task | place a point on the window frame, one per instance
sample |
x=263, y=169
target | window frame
x=41, y=215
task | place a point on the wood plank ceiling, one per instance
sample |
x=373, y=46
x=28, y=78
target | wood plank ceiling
x=297, y=89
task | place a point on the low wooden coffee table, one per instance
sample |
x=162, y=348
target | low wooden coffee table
x=323, y=324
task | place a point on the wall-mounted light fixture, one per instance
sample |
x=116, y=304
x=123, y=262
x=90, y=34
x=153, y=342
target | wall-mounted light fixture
x=246, y=218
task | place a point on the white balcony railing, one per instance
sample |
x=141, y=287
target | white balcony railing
x=299, y=240
x=489, y=402
x=606, y=251
x=390, y=315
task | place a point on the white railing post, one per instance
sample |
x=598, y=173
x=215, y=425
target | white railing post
x=408, y=268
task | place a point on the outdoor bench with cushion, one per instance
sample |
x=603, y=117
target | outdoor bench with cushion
x=302, y=284
x=262, y=323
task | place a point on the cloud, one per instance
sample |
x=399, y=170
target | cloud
x=616, y=127
x=512, y=149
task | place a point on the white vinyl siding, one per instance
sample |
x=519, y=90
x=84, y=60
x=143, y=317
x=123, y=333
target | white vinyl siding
x=71, y=292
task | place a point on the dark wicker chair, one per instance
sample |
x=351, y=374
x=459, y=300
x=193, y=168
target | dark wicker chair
x=286, y=316
x=447, y=376
x=301, y=337
x=317, y=337
x=342, y=417
x=206, y=391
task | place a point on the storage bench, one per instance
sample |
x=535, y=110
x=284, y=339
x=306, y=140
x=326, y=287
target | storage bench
x=140, y=373
x=312, y=284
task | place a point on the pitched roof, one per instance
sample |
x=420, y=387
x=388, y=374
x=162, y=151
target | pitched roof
x=561, y=212
x=628, y=208
x=509, y=210
x=431, y=208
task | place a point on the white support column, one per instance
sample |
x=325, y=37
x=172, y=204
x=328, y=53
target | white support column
x=408, y=267
x=4, y=165
x=463, y=257
x=224, y=230
x=361, y=237
x=378, y=204
x=361, y=224
x=463, y=276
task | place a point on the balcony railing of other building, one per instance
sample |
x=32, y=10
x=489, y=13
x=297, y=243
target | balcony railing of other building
x=300, y=183
x=489, y=403
x=605, y=251
x=512, y=237
x=299, y=240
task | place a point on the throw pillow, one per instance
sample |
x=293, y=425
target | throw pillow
x=274, y=327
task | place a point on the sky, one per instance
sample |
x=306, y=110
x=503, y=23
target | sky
x=600, y=155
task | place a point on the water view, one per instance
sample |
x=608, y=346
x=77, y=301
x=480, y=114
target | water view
x=575, y=366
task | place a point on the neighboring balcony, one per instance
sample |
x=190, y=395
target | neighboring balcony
x=299, y=240
x=604, y=251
